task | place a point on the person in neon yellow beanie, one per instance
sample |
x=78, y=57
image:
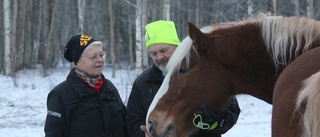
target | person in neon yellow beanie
x=161, y=40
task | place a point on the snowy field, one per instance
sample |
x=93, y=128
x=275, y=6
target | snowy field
x=23, y=107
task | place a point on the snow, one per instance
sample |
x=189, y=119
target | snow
x=23, y=107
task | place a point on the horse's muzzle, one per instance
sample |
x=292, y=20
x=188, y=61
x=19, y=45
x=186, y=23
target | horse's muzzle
x=163, y=133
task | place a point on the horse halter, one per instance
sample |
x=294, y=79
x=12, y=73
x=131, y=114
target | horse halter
x=201, y=125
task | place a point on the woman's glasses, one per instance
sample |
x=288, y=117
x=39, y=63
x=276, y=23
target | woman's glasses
x=96, y=56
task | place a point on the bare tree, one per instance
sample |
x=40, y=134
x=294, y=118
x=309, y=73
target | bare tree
x=131, y=56
x=7, y=34
x=145, y=56
x=296, y=7
x=250, y=7
x=269, y=6
x=20, y=35
x=157, y=8
x=309, y=8
x=40, y=29
x=190, y=15
x=138, y=47
x=274, y=5
x=131, y=52
x=36, y=31
x=166, y=10
x=81, y=15
x=197, y=14
x=26, y=55
x=44, y=29
x=112, y=39
x=51, y=50
x=13, y=40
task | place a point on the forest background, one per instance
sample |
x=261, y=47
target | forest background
x=34, y=32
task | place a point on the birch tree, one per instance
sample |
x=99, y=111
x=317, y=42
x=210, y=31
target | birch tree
x=7, y=33
x=166, y=10
x=81, y=15
x=145, y=56
x=138, y=47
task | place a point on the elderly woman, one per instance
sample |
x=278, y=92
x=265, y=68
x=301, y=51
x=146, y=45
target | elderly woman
x=86, y=104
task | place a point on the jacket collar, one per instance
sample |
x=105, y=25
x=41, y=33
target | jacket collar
x=83, y=89
x=155, y=74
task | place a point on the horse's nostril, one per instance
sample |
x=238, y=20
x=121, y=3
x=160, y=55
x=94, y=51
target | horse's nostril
x=162, y=132
x=152, y=126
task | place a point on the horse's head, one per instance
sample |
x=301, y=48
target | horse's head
x=194, y=74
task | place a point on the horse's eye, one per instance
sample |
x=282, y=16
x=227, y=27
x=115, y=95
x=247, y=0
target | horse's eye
x=183, y=71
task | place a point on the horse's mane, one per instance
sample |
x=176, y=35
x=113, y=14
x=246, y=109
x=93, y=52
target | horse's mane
x=283, y=35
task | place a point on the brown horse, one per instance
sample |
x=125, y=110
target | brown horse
x=268, y=57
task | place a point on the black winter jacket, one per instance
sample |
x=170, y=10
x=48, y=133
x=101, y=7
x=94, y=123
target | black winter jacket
x=143, y=91
x=77, y=110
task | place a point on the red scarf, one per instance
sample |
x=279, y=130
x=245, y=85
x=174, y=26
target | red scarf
x=94, y=82
x=97, y=86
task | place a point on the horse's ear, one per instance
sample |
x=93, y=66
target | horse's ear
x=193, y=31
x=213, y=22
x=196, y=35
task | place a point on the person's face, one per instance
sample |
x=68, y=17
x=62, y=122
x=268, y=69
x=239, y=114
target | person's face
x=160, y=54
x=91, y=60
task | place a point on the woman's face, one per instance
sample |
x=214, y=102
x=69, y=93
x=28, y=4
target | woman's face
x=91, y=60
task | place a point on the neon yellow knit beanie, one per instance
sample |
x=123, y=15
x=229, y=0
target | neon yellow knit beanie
x=161, y=32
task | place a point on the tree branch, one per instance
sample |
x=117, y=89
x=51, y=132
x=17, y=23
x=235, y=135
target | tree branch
x=135, y=6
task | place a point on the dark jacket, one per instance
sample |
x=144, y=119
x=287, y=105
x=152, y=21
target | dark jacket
x=77, y=110
x=143, y=91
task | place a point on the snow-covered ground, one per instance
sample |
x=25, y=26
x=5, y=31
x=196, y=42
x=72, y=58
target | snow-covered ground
x=23, y=107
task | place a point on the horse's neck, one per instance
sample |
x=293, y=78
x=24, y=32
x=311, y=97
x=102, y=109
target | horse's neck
x=262, y=89
x=265, y=92
x=260, y=73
